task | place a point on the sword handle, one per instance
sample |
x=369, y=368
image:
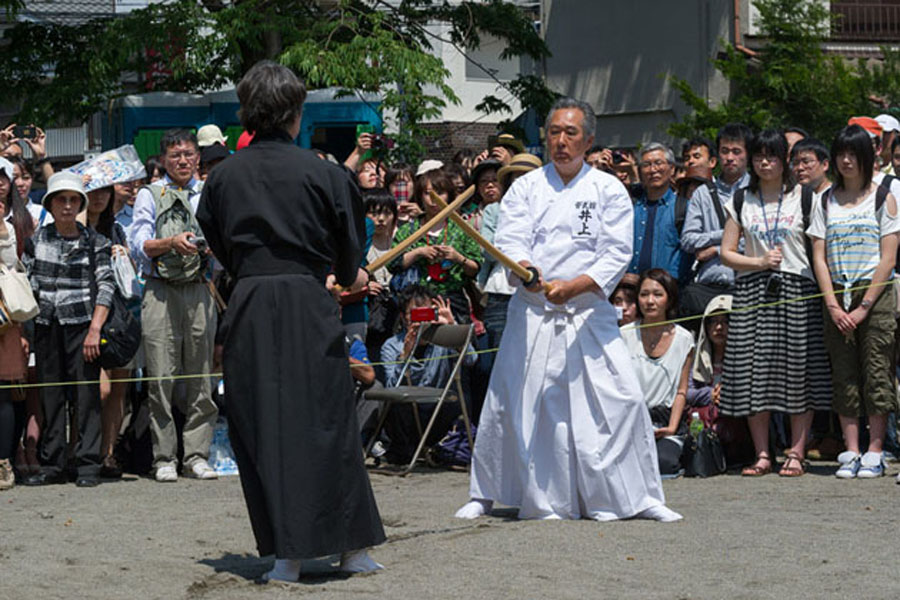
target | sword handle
x=535, y=275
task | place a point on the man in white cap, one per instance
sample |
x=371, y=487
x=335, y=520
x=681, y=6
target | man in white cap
x=890, y=126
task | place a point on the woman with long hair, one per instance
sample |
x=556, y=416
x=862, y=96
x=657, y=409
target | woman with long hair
x=854, y=233
x=775, y=358
x=662, y=353
x=101, y=218
x=13, y=345
x=445, y=257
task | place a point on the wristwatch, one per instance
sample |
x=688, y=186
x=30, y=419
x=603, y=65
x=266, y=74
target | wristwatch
x=866, y=304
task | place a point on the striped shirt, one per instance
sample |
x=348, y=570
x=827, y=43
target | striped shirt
x=60, y=274
x=852, y=236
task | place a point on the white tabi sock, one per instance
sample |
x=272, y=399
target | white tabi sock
x=659, y=513
x=474, y=508
x=286, y=569
x=359, y=561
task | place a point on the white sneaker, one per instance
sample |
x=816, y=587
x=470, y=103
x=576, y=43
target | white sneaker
x=200, y=469
x=166, y=473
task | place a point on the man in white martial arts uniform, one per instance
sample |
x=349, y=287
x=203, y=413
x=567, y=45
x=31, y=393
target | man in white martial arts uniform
x=564, y=432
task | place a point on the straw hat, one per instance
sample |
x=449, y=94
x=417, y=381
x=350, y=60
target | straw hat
x=508, y=141
x=520, y=163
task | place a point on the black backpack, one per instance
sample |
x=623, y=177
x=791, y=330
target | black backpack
x=806, y=198
x=884, y=188
x=681, y=204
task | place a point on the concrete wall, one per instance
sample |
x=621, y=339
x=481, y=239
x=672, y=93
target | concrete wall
x=618, y=55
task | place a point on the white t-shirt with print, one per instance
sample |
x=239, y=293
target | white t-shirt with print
x=788, y=232
x=852, y=236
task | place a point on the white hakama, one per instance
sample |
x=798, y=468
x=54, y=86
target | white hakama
x=564, y=432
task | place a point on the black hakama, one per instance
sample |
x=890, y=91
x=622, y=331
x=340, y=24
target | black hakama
x=279, y=219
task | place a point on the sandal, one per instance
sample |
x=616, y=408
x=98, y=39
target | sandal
x=789, y=471
x=755, y=470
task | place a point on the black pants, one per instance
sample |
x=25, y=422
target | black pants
x=59, y=356
x=12, y=422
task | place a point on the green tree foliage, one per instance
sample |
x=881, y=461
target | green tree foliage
x=65, y=73
x=792, y=81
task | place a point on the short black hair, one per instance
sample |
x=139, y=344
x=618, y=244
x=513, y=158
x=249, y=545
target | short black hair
x=734, y=132
x=414, y=292
x=704, y=142
x=378, y=199
x=152, y=165
x=271, y=97
x=813, y=145
x=895, y=143
x=595, y=148
x=396, y=171
x=856, y=140
x=173, y=137
x=798, y=130
x=770, y=142
x=663, y=278
x=464, y=155
x=457, y=170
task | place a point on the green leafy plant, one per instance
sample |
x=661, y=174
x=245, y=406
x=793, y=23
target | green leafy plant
x=61, y=73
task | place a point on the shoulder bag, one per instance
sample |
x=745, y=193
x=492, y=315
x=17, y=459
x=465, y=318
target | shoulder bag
x=18, y=297
x=120, y=336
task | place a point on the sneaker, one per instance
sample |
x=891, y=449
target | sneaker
x=166, y=473
x=871, y=466
x=378, y=450
x=7, y=477
x=849, y=465
x=200, y=469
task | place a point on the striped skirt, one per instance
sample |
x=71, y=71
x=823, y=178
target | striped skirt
x=775, y=357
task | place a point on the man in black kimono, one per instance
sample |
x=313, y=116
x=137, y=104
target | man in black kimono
x=280, y=220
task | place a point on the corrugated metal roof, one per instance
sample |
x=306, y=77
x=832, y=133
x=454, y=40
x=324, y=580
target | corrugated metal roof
x=64, y=142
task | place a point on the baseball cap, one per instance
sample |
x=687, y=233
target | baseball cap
x=888, y=123
x=872, y=127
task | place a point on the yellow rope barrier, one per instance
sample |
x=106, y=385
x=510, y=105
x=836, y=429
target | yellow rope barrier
x=24, y=386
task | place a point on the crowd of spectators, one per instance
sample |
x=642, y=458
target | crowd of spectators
x=757, y=297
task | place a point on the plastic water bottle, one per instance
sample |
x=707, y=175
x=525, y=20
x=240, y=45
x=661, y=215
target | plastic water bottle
x=220, y=452
x=696, y=425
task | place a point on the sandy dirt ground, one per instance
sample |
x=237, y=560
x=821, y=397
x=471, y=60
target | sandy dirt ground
x=812, y=537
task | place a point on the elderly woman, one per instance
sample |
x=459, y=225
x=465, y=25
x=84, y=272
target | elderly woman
x=662, y=353
x=74, y=302
x=775, y=358
x=13, y=345
x=855, y=247
x=291, y=414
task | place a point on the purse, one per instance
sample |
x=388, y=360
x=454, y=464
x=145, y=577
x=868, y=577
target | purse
x=18, y=297
x=120, y=336
x=704, y=456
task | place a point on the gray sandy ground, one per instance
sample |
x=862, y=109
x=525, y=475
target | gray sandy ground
x=812, y=537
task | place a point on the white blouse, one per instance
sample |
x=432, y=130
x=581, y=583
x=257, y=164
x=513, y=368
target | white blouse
x=659, y=377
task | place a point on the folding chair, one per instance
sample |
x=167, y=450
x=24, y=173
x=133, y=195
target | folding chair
x=456, y=337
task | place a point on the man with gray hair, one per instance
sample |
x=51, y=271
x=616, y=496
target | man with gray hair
x=656, y=238
x=564, y=433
